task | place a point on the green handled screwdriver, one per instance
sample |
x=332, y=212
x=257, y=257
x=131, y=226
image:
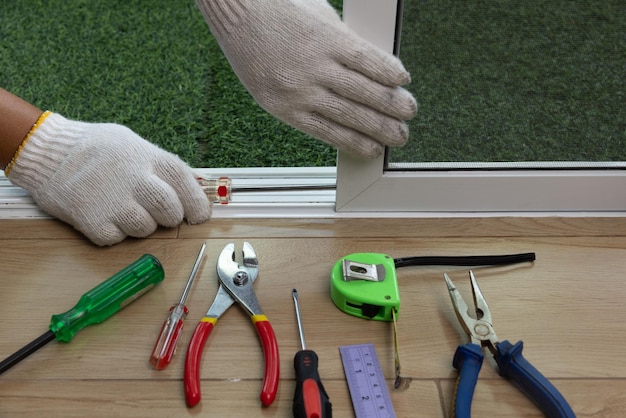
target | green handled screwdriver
x=96, y=305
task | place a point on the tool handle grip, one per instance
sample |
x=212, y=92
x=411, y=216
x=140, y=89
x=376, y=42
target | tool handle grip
x=165, y=345
x=468, y=360
x=217, y=190
x=513, y=365
x=108, y=297
x=310, y=398
x=192, y=361
x=270, y=354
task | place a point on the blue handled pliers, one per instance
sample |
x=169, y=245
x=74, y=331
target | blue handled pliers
x=468, y=360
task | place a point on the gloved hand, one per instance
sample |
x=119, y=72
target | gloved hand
x=106, y=181
x=303, y=65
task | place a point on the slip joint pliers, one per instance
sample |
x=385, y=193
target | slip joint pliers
x=235, y=285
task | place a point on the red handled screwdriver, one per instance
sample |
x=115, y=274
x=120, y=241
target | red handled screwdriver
x=221, y=189
x=310, y=399
x=165, y=345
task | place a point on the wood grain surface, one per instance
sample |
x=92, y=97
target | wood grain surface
x=567, y=307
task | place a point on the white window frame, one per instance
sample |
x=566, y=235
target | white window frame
x=365, y=189
x=364, y=186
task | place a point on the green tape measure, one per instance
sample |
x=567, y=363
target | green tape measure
x=365, y=285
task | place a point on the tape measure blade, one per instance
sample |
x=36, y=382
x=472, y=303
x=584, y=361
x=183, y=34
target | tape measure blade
x=366, y=382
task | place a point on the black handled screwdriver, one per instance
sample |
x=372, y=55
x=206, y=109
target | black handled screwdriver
x=310, y=399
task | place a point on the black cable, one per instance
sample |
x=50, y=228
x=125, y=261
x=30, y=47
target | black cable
x=472, y=260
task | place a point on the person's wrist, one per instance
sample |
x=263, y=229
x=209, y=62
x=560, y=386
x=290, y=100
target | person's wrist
x=43, y=152
x=18, y=117
x=20, y=147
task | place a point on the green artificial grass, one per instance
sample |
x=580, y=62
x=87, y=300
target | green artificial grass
x=151, y=65
x=503, y=80
x=497, y=80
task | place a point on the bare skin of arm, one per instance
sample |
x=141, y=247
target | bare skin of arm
x=17, y=116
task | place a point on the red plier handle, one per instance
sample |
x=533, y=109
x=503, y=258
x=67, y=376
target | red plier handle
x=192, y=361
x=270, y=354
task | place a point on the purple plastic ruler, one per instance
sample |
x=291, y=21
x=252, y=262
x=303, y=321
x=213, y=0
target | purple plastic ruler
x=368, y=389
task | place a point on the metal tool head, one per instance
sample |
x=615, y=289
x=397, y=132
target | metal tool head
x=238, y=279
x=479, y=329
x=227, y=265
x=223, y=299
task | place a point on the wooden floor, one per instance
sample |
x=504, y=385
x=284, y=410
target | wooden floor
x=567, y=307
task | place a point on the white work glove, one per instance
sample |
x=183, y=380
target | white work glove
x=106, y=181
x=303, y=65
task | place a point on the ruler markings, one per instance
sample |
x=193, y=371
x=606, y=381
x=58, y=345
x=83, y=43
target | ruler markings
x=366, y=382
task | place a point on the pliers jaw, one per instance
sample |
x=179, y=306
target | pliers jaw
x=237, y=279
x=479, y=329
x=227, y=265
